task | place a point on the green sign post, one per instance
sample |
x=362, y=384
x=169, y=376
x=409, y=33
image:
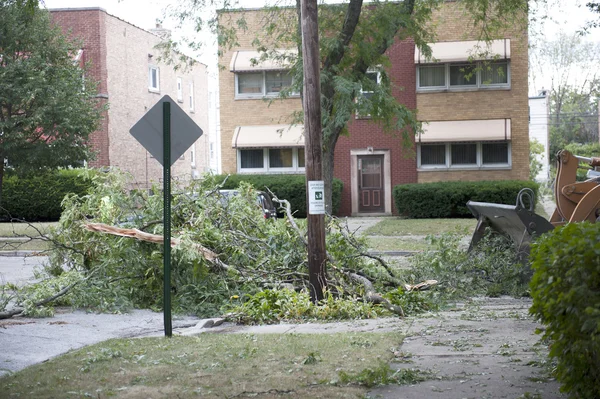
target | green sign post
x=167, y=217
x=166, y=132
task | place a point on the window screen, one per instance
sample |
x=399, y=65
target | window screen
x=494, y=153
x=252, y=159
x=463, y=75
x=281, y=158
x=494, y=73
x=277, y=81
x=301, y=157
x=432, y=76
x=433, y=154
x=250, y=83
x=463, y=154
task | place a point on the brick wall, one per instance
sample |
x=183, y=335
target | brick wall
x=248, y=111
x=131, y=52
x=87, y=26
x=483, y=104
x=120, y=54
x=364, y=133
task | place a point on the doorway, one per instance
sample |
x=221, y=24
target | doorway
x=370, y=184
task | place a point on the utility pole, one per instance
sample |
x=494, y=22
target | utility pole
x=311, y=102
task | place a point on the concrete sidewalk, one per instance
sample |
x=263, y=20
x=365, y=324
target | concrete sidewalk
x=484, y=349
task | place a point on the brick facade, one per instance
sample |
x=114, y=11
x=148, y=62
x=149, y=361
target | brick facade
x=366, y=137
x=482, y=104
x=119, y=55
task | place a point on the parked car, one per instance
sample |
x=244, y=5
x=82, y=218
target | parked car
x=262, y=199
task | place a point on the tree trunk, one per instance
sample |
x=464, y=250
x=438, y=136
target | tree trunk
x=328, y=164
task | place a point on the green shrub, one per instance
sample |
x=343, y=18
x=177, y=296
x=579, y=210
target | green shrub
x=449, y=199
x=288, y=187
x=566, y=299
x=274, y=306
x=38, y=197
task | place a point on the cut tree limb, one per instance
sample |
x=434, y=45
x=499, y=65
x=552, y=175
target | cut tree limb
x=206, y=253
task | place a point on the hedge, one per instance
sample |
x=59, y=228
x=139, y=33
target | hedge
x=289, y=187
x=566, y=298
x=38, y=197
x=449, y=199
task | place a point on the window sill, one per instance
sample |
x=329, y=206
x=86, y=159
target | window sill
x=462, y=90
x=152, y=90
x=263, y=97
x=463, y=168
x=271, y=172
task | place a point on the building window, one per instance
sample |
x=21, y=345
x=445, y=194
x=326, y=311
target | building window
x=179, y=90
x=153, y=78
x=494, y=153
x=433, y=154
x=277, y=81
x=457, y=76
x=463, y=154
x=252, y=159
x=373, y=79
x=463, y=75
x=485, y=154
x=271, y=160
x=191, y=99
x=260, y=84
x=193, y=156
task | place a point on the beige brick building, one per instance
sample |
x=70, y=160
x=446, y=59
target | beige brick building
x=124, y=61
x=476, y=126
x=472, y=98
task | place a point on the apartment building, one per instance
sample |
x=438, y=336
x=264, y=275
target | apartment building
x=125, y=62
x=471, y=97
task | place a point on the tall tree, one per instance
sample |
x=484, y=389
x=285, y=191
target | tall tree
x=354, y=38
x=47, y=106
x=570, y=66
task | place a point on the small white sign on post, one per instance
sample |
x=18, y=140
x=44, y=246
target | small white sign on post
x=316, y=197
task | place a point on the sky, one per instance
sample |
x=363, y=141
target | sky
x=563, y=15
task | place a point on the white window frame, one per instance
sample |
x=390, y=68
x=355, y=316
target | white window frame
x=193, y=156
x=179, y=90
x=478, y=85
x=263, y=92
x=267, y=169
x=479, y=165
x=152, y=88
x=191, y=97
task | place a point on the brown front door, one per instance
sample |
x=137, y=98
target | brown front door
x=370, y=183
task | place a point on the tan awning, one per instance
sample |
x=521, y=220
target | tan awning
x=473, y=130
x=461, y=51
x=250, y=60
x=268, y=136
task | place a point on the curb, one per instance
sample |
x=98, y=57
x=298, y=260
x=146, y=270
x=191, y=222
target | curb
x=15, y=254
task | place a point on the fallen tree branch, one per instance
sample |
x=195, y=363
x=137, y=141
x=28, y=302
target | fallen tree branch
x=206, y=253
x=352, y=241
x=370, y=294
x=17, y=311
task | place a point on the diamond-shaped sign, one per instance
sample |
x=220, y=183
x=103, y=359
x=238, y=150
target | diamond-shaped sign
x=149, y=130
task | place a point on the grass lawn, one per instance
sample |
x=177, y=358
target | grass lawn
x=212, y=365
x=397, y=244
x=25, y=229
x=396, y=226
